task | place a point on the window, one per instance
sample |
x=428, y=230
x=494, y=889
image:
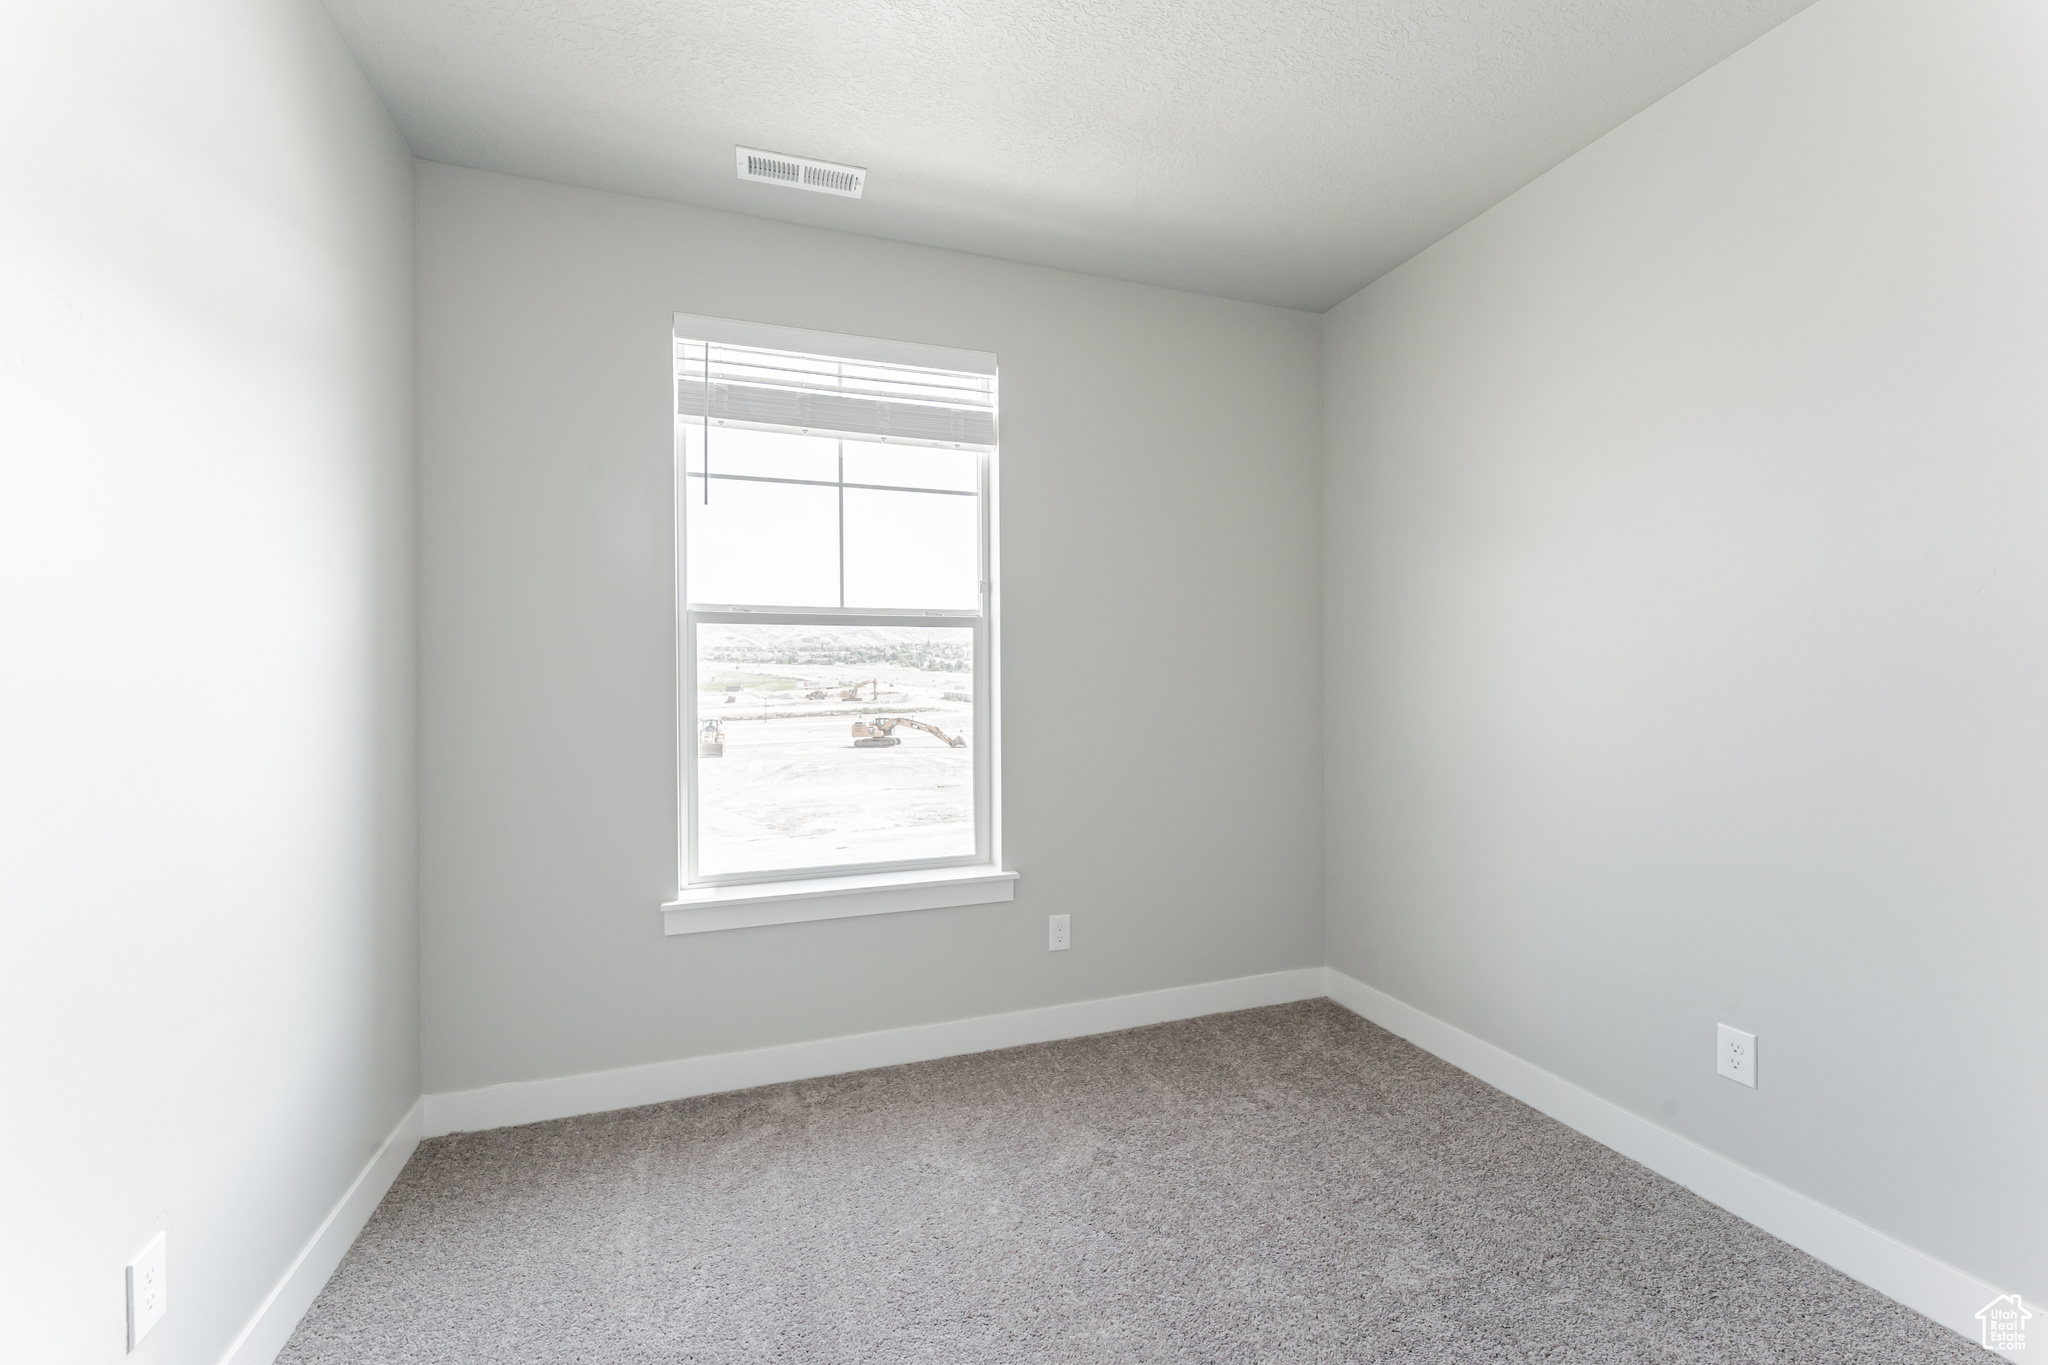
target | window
x=835, y=582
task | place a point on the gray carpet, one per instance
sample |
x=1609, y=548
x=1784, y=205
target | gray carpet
x=1285, y=1184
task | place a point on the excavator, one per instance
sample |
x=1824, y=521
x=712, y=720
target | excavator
x=853, y=693
x=875, y=734
x=711, y=739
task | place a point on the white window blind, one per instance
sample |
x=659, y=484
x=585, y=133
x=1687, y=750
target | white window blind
x=865, y=400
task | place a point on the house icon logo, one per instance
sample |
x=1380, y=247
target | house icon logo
x=2005, y=1323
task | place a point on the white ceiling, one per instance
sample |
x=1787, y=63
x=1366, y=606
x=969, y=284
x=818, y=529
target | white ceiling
x=1288, y=151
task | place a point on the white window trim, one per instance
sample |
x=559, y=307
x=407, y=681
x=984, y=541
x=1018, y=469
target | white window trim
x=706, y=909
x=709, y=906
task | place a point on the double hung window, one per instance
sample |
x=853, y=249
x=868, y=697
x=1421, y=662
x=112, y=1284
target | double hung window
x=835, y=590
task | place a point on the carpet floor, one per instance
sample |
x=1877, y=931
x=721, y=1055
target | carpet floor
x=1277, y=1185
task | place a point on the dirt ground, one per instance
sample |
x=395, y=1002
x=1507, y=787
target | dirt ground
x=791, y=791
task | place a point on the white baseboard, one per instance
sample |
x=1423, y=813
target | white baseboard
x=499, y=1106
x=272, y=1326
x=1929, y=1287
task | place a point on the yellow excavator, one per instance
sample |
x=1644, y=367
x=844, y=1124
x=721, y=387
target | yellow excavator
x=876, y=733
x=853, y=693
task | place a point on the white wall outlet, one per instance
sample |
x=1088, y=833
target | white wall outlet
x=1735, y=1055
x=1059, y=933
x=148, y=1290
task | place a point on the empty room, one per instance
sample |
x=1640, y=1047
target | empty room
x=1027, y=682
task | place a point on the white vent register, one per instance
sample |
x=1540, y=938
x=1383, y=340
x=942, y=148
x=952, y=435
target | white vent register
x=800, y=172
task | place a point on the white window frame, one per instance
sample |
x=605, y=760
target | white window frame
x=740, y=900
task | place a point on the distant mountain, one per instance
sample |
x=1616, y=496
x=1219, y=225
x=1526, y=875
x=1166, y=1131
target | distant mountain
x=909, y=646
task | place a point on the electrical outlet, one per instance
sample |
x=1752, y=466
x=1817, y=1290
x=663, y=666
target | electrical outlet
x=148, y=1290
x=1735, y=1055
x=1059, y=933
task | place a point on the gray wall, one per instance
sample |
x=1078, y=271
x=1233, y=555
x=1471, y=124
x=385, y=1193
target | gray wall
x=208, y=989
x=1687, y=620
x=1161, y=635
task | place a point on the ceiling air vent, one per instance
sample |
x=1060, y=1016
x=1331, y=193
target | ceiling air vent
x=800, y=172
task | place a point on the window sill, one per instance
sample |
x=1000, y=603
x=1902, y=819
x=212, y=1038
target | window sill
x=706, y=909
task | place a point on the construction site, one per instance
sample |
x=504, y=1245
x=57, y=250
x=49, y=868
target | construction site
x=816, y=767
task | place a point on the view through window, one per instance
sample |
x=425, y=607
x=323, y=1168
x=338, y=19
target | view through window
x=834, y=576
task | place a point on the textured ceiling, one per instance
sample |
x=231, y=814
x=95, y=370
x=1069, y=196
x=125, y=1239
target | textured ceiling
x=1288, y=151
